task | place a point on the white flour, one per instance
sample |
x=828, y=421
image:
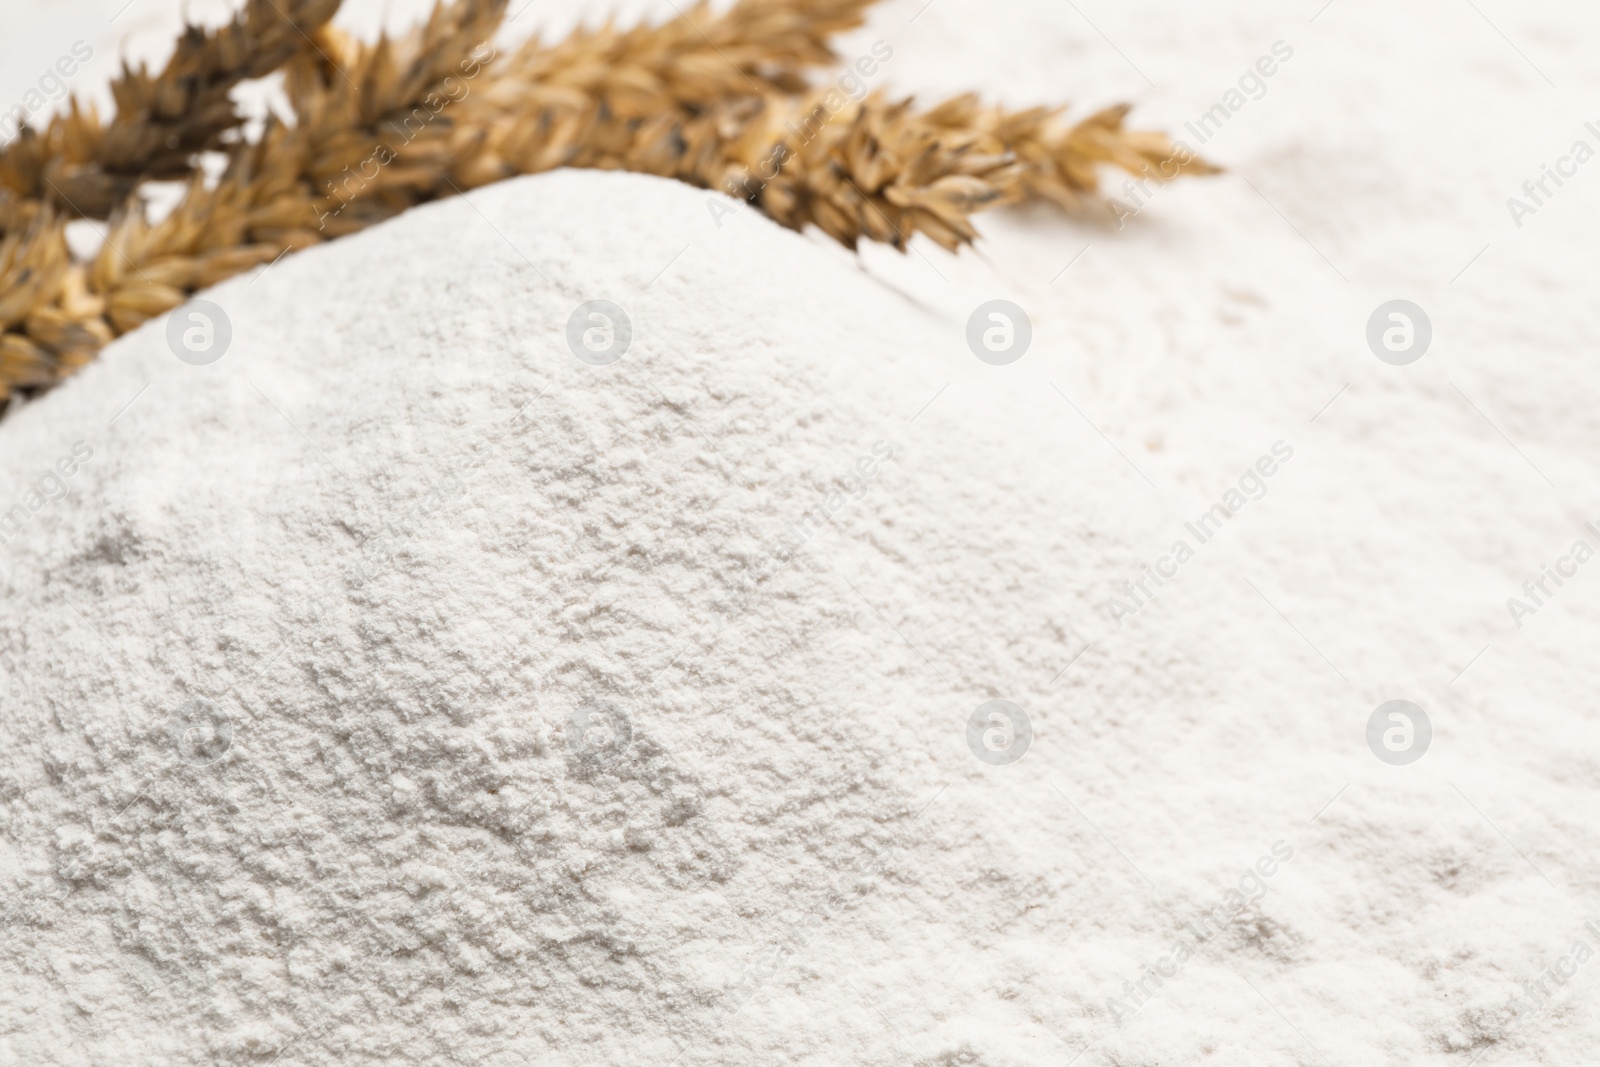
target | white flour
x=410, y=548
x=397, y=539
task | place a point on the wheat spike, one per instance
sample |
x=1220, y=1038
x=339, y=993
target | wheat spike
x=83, y=166
x=882, y=170
x=872, y=167
x=719, y=101
x=294, y=187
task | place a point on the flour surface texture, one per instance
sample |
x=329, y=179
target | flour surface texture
x=406, y=688
x=500, y=700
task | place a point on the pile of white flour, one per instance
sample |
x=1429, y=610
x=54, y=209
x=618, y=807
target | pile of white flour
x=294, y=662
x=402, y=688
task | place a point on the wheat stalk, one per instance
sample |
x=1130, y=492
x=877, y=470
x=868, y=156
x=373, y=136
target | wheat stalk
x=350, y=99
x=715, y=101
x=81, y=165
x=879, y=169
x=551, y=106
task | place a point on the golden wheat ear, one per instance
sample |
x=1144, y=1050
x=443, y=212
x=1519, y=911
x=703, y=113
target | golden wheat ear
x=719, y=101
x=880, y=169
x=370, y=138
x=83, y=166
x=580, y=102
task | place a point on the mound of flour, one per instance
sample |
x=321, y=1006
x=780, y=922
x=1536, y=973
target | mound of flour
x=401, y=687
x=417, y=683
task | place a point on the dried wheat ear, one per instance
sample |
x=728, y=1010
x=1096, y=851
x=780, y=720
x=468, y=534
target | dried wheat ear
x=720, y=101
x=84, y=166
